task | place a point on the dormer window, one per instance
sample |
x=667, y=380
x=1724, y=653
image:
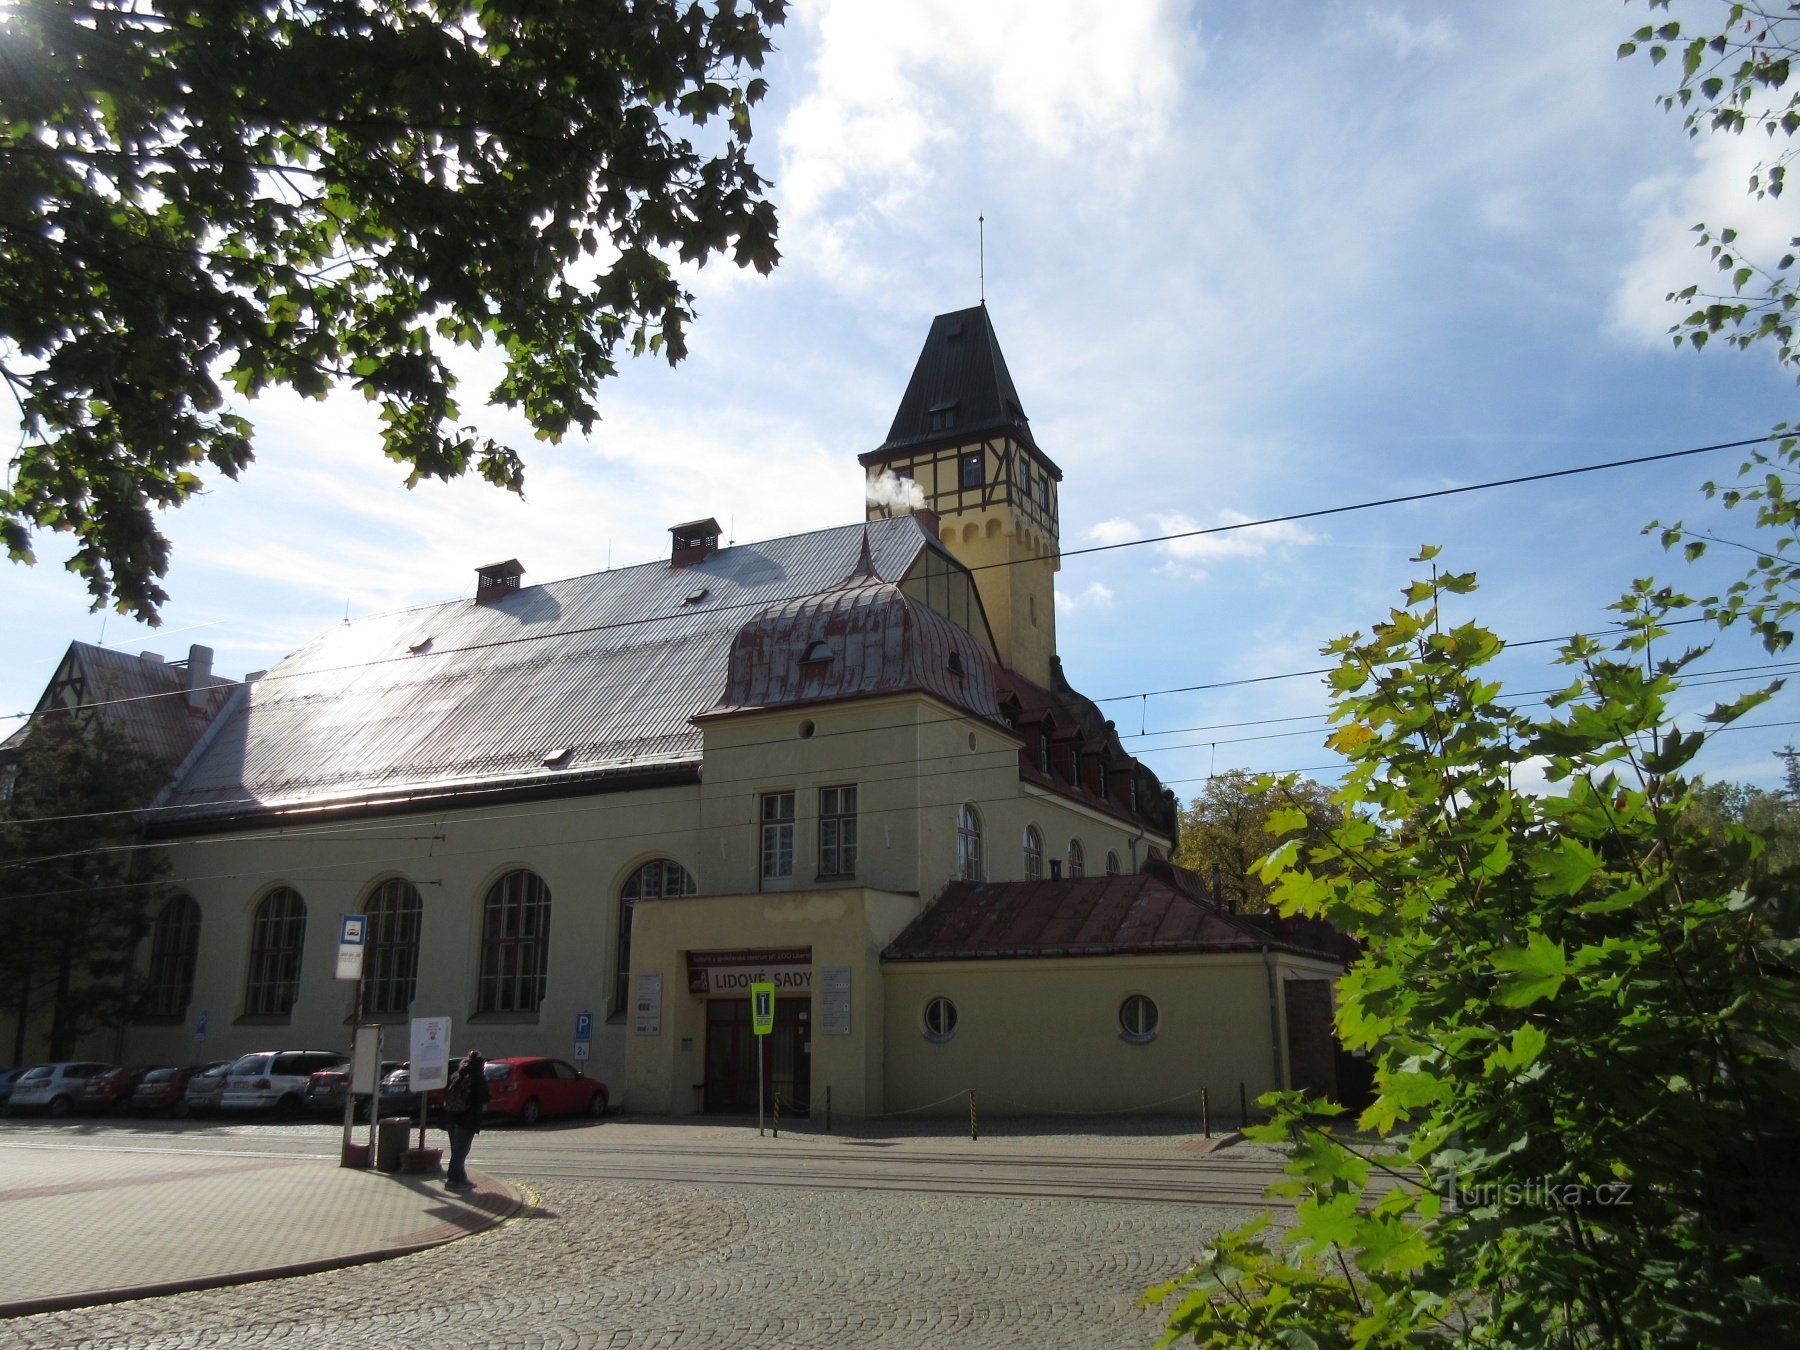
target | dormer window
x=943, y=415
x=817, y=651
x=954, y=665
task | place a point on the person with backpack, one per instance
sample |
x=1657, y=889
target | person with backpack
x=465, y=1097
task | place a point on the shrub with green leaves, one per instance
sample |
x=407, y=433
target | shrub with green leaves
x=1582, y=1007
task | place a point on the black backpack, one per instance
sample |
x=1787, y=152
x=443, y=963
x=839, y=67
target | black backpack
x=458, y=1094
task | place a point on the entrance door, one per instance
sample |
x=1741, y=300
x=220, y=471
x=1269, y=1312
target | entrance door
x=731, y=1058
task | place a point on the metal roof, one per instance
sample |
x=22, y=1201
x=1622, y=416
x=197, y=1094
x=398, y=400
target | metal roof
x=961, y=373
x=142, y=696
x=863, y=638
x=593, y=676
x=1140, y=914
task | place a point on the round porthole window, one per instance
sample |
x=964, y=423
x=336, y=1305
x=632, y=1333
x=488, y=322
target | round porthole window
x=1137, y=1019
x=940, y=1019
x=806, y=730
x=971, y=740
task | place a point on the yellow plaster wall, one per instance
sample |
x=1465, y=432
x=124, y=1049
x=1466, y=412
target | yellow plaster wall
x=1043, y=1035
x=843, y=927
x=583, y=848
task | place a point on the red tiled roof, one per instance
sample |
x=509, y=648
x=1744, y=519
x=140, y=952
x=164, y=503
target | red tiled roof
x=1091, y=916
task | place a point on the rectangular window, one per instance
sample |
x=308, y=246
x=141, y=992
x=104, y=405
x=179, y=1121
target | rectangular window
x=777, y=840
x=1024, y=478
x=837, y=831
x=1044, y=491
x=972, y=472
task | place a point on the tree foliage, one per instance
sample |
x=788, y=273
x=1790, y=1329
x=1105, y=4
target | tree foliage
x=1581, y=1006
x=75, y=888
x=1734, y=79
x=1225, y=830
x=206, y=200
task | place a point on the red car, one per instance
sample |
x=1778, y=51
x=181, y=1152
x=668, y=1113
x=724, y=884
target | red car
x=163, y=1089
x=110, y=1091
x=528, y=1088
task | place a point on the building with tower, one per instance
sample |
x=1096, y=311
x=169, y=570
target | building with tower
x=847, y=763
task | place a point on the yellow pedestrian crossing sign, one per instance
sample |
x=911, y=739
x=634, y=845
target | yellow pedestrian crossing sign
x=762, y=1008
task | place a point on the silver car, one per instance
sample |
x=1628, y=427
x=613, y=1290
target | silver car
x=53, y=1088
x=275, y=1080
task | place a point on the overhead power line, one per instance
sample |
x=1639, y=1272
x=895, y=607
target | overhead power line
x=764, y=602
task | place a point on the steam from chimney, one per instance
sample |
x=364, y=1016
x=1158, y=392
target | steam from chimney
x=892, y=491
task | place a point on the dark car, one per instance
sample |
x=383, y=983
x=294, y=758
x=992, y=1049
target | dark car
x=397, y=1088
x=530, y=1087
x=325, y=1090
x=111, y=1091
x=164, y=1089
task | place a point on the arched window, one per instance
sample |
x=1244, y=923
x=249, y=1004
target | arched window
x=391, y=946
x=1112, y=863
x=1077, y=859
x=1034, y=854
x=277, y=937
x=174, y=951
x=654, y=879
x=515, y=944
x=968, y=844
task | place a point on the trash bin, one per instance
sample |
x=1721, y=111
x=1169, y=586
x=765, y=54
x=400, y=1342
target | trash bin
x=390, y=1142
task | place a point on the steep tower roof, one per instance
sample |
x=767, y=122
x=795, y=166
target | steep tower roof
x=960, y=388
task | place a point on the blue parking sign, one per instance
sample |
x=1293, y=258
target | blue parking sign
x=584, y=1026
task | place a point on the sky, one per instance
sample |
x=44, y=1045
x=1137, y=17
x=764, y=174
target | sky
x=1244, y=261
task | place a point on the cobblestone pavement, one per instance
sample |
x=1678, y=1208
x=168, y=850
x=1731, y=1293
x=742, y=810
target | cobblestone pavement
x=601, y=1263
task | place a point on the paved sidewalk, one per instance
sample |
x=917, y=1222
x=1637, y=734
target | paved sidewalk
x=85, y=1224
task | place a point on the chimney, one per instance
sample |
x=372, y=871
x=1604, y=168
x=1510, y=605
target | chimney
x=496, y=581
x=199, y=679
x=693, y=541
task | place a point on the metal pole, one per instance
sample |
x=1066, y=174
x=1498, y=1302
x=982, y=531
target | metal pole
x=759, y=1087
x=350, y=1078
x=1243, y=1107
x=828, y=1108
x=974, y=1131
x=778, y=1115
x=1205, y=1115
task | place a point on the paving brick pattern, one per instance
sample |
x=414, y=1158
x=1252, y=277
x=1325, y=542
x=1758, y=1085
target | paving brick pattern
x=599, y=1263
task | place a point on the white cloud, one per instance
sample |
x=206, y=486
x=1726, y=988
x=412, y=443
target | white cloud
x=1714, y=189
x=1094, y=595
x=1410, y=39
x=1188, y=556
x=897, y=88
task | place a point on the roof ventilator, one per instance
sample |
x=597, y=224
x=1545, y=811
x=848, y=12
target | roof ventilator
x=559, y=758
x=496, y=581
x=695, y=597
x=420, y=647
x=693, y=541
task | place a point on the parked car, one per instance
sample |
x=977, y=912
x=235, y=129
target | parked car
x=111, y=1091
x=275, y=1080
x=326, y=1089
x=204, y=1090
x=398, y=1086
x=528, y=1088
x=166, y=1089
x=52, y=1088
x=7, y=1078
